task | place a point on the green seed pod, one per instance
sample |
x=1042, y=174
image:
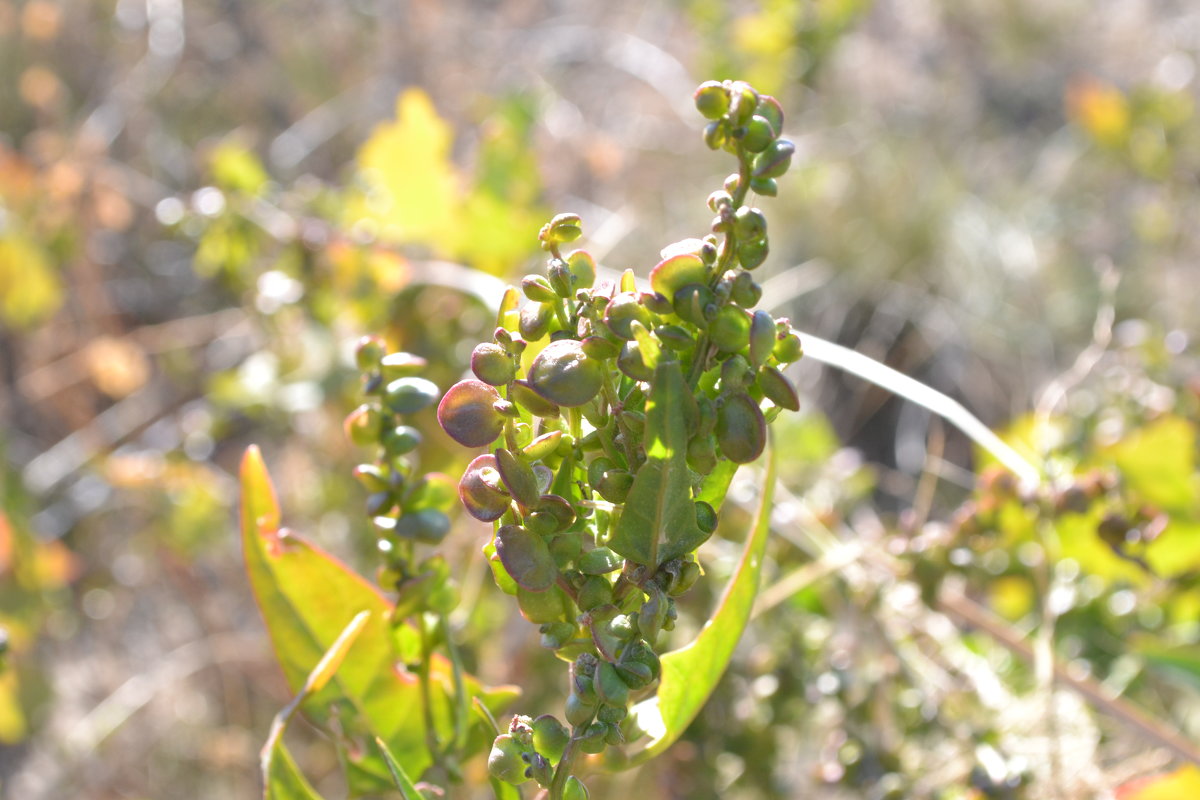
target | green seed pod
x=410, y=395
x=565, y=548
x=401, y=365
x=362, y=425
x=479, y=490
x=622, y=311
x=542, y=607
x=640, y=653
x=614, y=737
x=599, y=561
x=578, y=710
x=538, y=289
x=634, y=421
x=765, y=187
x=401, y=440
x=675, y=338
x=613, y=715
x=711, y=99
x=730, y=331
x=706, y=516
x=599, y=348
x=632, y=363
x=556, y=634
x=653, y=613
x=380, y=503
x=718, y=199
x=714, y=134
x=505, y=762
x=526, y=558
x=702, y=454
x=775, y=160
x=610, y=687
x=741, y=429
x=592, y=741
x=757, y=134
x=672, y=274
x=787, y=347
x=746, y=292
x=732, y=181
x=575, y=790
x=762, y=337
x=751, y=254
x=428, y=525
x=778, y=389
x=583, y=269
x=524, y=396
x=372, y=477
x=492, y=365
x=689, y=573
x=518, y=478
x=615, y=484
x=557, y=507
x=563, y=374
x=750, y=223
x=743, y=102
x=550, y=737
x=597, y=468
x=596, y=591
x=467, y=413
x=535, y=321
x=543, y=446
x=735, y=373
x=770, y=110
x=691, y=302
x=368, y=352
x=562, y=229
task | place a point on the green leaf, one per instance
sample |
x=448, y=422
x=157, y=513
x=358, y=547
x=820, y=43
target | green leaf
x=307, y=597
x=285, y=781
x=690, y=673
x=282, y=780
x=659, y=519
x=1159, y=463
x=1181, y=663
x=399, y=777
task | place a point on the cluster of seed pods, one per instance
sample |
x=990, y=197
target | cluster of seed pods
x=561, y=401
x=407, y=508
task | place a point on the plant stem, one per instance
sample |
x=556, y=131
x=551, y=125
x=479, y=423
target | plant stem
x=563, y=771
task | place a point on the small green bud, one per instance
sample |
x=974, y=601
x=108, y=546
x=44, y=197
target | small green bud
x=757, y=134
x=706, y=517
x=600, y=348
x=492, y=365
x=575, y=790
x=596, y=591
x=746, y=292
x=770, y=110
x=775, y=160
x=505, y=762
x=401, y=365
x=369, y=352
x=762, y=337
x=623, y=310
x=556, y=634
x=714, y=134
x=541, y=607
x=537, y=289
x=701, y=454
x=550, y=737
x=778, y=389
x=583, y=268
x=766, y=187
x=743, y=102
x=732, y=181
x=691, y=303
x=560, y=278
x=730, y=330
x=614, y=485
x=410, y=395
x=719, y=199
x=751, y=254
x=401, y=440
x=672, y=274
x=599, y=561
x=712, y=99
x=735, y=373
x=543, y=446
x=562, y=229
x=632, y=363
x=750, y=223
x=535, y=321
x=675, y=337
x=362, y=425
x=524, y=396
x=578, y=710
x=610, y=686
x=428, y=525
x=593, y=738
x=526, y=558
x=787, y=347
x=372, y=477
x=518, y=478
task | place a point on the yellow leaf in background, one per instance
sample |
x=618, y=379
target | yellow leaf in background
x=1158, y=461
x=1182, y=784
x=12, y=719
x=1101, y=109
x=29, y=289
x=412, y=187
x=235, y=168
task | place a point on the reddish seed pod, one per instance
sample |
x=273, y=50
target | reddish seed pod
x=467, y=413
x=479, y=490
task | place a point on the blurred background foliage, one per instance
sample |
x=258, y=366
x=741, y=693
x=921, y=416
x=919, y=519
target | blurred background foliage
x=203, y=205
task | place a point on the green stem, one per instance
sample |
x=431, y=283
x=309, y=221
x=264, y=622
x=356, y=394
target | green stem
x=563, y=771
x=431, y=739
